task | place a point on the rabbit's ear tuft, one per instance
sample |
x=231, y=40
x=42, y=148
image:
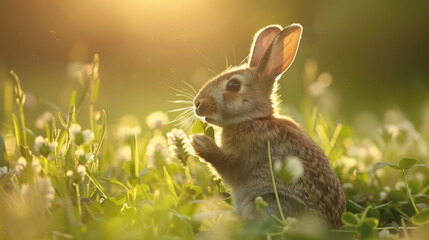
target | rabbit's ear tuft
x=261, y=42
x=281, y=53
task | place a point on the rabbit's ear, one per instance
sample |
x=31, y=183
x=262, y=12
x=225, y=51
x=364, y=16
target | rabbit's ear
x=281, y=53
x=263, y=39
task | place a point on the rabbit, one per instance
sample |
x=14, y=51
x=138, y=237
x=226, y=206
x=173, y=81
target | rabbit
x=243, y=102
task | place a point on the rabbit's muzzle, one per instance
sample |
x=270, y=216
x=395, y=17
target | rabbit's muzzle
x=204, y=107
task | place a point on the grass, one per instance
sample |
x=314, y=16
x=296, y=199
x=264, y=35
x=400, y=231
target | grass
x=107, y=181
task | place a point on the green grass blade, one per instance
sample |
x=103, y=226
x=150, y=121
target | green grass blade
x=95, y=91
x=313, y=122
x=170, y=185
x=103, y=132
x=274, y=183
x=334, y=139
x=17, y=130
x=97, y=184
x=113, y=181
x=3, y=155
x=135, y=156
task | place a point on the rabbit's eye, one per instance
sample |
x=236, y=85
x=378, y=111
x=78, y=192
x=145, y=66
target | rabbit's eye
x=233, y=85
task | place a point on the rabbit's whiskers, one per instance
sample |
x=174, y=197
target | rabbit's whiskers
x=186, y=116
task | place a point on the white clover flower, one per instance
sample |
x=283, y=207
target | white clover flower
x=383, y=195
x=43, y=192
x=42, y=119
x=35, y=165
x=21, y=164
x=87, y=158
x=157, y=147
x=69, y=173
x=81, y=170
x=88, y=136
x=75, y=129
x=420, y=177
x=295, y=166
x=45, y=184
x=126, y=132
x=392, y=130
x=42, y=146
x=318, y=87
x=374, y=153
x=399, y=185
x=38, y=142
x=62, y=149
x=53, y=145
x=290, y=170
x=178, y=145
x=124, y=154
x=156, y=120
x=365, y=150
x=4, y=171
x=348, y=186
x=385, y=234
x=348, y=162
x=79, y=152
x=81, y=137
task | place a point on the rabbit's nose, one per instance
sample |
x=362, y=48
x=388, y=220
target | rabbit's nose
x=197, y=104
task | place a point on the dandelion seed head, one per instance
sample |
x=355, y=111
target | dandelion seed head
x=157, y=146
x=156, y=120
x=124, y=154
x=126, y=132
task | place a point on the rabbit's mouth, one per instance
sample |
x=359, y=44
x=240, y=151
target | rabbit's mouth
x=213, y=121
x=209, y=120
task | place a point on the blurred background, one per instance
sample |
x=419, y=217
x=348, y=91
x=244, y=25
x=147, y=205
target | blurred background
x=364, y=56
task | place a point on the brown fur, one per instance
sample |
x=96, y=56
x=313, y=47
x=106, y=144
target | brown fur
x=249, y=119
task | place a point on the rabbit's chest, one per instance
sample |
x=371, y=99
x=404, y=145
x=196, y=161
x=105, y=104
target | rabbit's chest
x=248, y=146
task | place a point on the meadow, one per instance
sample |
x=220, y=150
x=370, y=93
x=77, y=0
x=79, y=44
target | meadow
x=69, y=177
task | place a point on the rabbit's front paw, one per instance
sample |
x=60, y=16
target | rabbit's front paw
x=204, y=146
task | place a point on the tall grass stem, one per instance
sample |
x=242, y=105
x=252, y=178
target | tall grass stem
x=409, y=192
x=274, y=183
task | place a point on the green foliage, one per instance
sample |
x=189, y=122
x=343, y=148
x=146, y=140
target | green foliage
x=422, y=217
x=365, y=226
x=203, y=128
x=3, y=154
x=141, y=185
